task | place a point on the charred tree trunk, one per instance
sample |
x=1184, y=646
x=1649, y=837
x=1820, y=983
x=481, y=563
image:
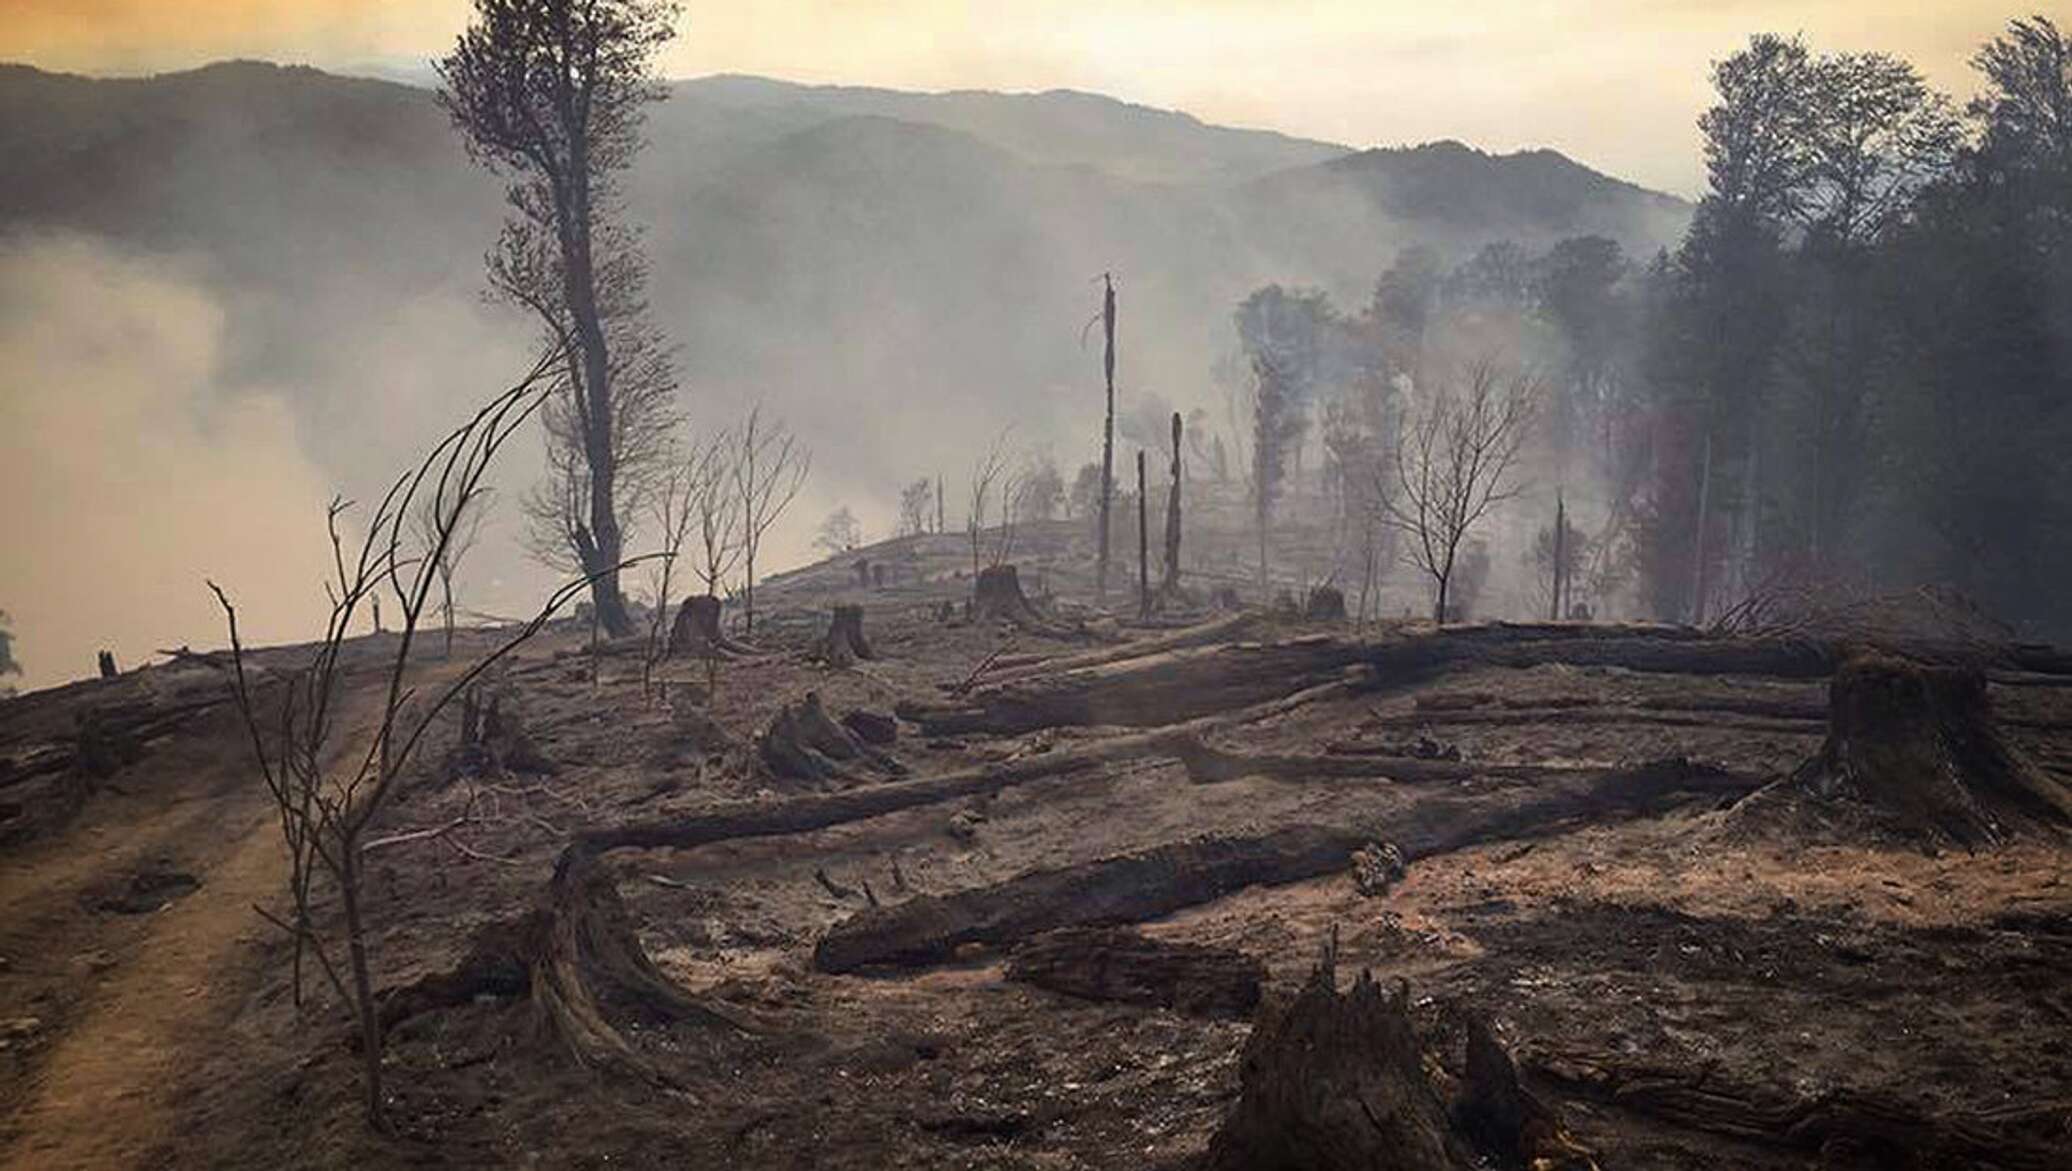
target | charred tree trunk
x=1170, y=587
x=1143, y=542
x=1107, y=432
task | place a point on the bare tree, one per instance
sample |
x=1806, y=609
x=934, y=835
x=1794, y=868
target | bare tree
x=715, y=510
x=913, y=507
x=674, y=513
x=325, y=815
x=986, y=485
x=1453, y=462
x=840, y=532
x=553, y=92
x=769, y=468
x=426, y=524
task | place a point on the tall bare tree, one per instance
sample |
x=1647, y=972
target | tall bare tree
x=768, y=469
x=553, y=93
x=452, y=546
x=914, y=500
x=1454, y=461
x=987, y=486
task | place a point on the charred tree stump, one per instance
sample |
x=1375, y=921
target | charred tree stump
x=1336, y=1082
x=871, y=727
x=1122, y=966
x=1920, y=745
x=493, y=740
x=697, y=633
x=803, y=744
x=844, y=644
x=1325, y=604
x=106, y=662
x=998, y=596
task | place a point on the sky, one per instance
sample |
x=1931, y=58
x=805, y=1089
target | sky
x=1617, y=84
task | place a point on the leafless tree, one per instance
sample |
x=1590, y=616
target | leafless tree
x=715, y=511
x=840, y=532
x=326, y=808
x=987, y=486
x=674, y=513
x=914, y=500
x=1454, y=461
x=426, y=524
x=553, y=92
x=768, y=469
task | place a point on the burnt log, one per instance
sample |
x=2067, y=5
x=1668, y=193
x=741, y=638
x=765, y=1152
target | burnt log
x=1106, y=964
x=1142, y=692
x=844, y=643
x=1919, y=745
x=1888, y=1131
x=1132, y=888
x=1160, y=689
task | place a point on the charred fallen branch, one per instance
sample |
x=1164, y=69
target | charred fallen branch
x=1234, y=627
x=1107, y=964
x=1131, y=888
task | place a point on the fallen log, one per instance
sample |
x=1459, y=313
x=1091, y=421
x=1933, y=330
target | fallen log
x=1122, y=966
x=1181, y=684
x=1575, y=717
x=1237, y=626
x=1142, y=692
x=1131, y=888
x=1884, y=1130
x=1208, y=765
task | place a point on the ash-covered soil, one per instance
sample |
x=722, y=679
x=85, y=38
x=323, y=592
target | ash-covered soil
x=1692, y=987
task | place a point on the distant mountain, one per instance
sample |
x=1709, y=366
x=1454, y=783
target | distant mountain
x=900, y=273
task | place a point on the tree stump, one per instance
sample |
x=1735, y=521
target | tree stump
x=696, y=631
x=998, y=595
x=803, y=744
x=1110, y=964
x=844, y=642
x=1919, y=744
x=1337, y=1082
x=872, y=727
x=1325, y=604
x=106, y=662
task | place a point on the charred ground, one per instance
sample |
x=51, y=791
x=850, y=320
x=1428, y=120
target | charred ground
x=1688, y=975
